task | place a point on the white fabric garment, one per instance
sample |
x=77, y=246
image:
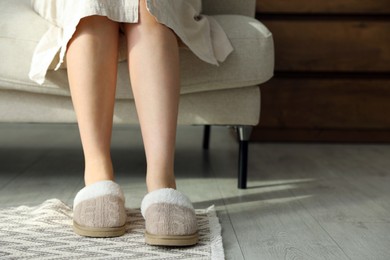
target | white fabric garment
x=200, y=33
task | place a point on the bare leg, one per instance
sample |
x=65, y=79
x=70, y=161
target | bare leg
x=92, y=69
x=154, y=72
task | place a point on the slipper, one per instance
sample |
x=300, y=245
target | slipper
x=99, y=210
x=170, y=219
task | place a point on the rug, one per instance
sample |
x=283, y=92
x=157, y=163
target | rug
x=45, y=232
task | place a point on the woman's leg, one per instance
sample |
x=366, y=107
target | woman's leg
x=154, y=71
x=92, y=70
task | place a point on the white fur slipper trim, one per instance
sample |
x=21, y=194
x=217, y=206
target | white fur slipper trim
x=167, y=195
x=98, y=189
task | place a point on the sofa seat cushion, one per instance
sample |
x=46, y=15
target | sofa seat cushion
x=251, y=63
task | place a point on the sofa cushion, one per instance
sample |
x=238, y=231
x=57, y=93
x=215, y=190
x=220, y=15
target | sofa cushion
x=251, y=63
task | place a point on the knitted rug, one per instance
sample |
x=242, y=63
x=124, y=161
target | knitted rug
x=45, y=232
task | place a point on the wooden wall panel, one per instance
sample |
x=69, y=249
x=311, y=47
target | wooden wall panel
x=332, y=74
x=331, y=45
x=326, y=103
x=328, y=7
x=324, y=109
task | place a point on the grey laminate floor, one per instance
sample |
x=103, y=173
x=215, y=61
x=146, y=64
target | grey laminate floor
x=305, y=201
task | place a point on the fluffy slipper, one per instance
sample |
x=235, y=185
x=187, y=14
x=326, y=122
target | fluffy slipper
x=170, y=219
x=99, y=210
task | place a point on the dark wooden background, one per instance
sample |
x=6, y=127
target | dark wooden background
x=332, y=75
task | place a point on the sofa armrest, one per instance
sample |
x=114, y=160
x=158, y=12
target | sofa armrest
x=243, y=7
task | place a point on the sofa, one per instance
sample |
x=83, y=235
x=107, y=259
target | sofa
x=225, y=95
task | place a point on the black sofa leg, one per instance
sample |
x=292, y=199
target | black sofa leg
x=206, y=137
x=244, y=133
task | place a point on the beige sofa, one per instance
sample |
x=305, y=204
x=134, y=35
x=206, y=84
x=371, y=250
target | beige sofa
x=225, y=95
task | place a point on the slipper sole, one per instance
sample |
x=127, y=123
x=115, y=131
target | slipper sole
x=99, y=232
x=158, y=240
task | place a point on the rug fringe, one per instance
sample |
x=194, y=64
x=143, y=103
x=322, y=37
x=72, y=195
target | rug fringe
x=217, y=252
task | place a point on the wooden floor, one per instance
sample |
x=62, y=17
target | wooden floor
x=304, y=201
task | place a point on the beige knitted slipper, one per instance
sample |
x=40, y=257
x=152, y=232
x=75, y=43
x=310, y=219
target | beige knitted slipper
x=99, y=210
x=170, y=219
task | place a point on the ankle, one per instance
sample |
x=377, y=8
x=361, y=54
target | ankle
x=96, y=171
x=156, y=182
x=93, y=179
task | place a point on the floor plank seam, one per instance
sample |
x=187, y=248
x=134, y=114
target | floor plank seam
x=230, y=221
x=234, y=230
x=322, y=227
x=358, y=189
x=29, y=166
